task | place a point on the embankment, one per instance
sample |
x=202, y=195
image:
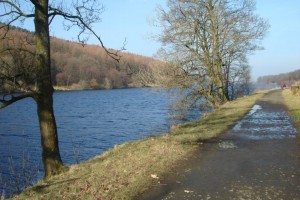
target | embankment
x=131, y=168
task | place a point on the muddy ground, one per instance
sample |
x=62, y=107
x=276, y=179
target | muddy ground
x=259, y=158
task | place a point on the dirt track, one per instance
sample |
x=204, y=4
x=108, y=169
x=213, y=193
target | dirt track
x=258, y=159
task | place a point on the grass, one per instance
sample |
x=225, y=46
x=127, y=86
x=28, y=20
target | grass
x=292, y=102
x=132, y=168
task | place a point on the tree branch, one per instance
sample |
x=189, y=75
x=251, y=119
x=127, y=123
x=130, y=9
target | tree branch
x=84, y=23
x=13, y=14
x=15, y=9
x=4, y=103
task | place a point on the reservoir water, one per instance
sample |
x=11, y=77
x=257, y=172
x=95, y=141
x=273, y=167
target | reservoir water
x=89, y=122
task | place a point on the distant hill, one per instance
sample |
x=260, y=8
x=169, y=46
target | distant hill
x=287, y=78
x=89, y=67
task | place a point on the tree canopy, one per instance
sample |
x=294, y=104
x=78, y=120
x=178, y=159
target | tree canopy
x=206, y=43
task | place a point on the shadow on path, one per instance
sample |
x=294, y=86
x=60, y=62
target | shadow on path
x=259, y=158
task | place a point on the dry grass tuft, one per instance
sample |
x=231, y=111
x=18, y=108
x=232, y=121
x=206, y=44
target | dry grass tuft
x=297, y=83
x=292, y=102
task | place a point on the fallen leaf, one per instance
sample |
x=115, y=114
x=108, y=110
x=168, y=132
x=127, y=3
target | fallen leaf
x=154, y=176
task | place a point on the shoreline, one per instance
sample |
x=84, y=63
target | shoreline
x=65, y=89
x=130, y=169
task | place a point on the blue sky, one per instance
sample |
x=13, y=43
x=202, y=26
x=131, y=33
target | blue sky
x=130, y=19
x=282, y=43
x=123, y=19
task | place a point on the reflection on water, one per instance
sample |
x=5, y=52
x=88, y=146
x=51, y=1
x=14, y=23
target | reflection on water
x=89, y=122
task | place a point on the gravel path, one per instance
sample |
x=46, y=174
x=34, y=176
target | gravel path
x=259, y=158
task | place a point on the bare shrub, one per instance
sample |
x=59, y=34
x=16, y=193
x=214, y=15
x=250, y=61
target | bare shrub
x=20, y=176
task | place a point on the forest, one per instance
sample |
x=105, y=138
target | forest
x=288, y=79
x=75, y=66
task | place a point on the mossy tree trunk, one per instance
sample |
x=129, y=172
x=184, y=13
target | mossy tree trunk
x=44, y=94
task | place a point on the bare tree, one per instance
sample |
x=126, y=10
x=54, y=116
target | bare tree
x=204, y=39
x=80, y=14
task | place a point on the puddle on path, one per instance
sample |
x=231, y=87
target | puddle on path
x=254, y=109
x=227, y=145
x=263, y=124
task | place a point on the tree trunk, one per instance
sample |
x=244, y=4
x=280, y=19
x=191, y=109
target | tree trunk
x=217, y=61
x=226, y=88
x=44, y=96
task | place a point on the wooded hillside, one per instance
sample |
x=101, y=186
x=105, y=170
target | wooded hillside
x=286, y=78
x=90, y=67
x=75, y=66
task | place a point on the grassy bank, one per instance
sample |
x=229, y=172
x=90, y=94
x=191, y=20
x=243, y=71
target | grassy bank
x=131, y=168
x=292, y=102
